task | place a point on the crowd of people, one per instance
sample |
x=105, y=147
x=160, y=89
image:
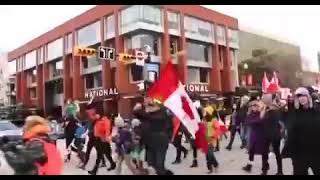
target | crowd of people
x=262, y=123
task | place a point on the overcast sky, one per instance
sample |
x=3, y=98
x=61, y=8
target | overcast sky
x=299, y=24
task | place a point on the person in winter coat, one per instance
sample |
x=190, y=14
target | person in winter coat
x=240, y=120
x=102, y=133
x=37, y=155
x=157, y=132
x=211, y=135
x=123, y=141
x=303, y=131
x=177, y=140
x=258, y=143
x=235, y=126
x=273, y=126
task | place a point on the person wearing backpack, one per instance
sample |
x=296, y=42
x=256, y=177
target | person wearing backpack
x=37, y=154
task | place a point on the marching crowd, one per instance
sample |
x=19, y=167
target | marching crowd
x=262, y=122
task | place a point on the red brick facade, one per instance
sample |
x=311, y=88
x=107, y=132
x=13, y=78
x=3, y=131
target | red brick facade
x=73, y=81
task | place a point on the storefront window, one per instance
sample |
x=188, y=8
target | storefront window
x=198, y=75
x=55, y=49
x=89, y=35
x=31, y=60
x=198, y=51
x=109, y=27
x=93, y=80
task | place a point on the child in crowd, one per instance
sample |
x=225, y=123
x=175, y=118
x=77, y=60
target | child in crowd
x=80, y=140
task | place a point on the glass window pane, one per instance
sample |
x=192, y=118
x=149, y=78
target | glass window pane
x=33, y=93
x=98, y=79
x=89, y=35
x=203, y=75
x=136, y=72
x=57, y=68
x=193, y=75
x=109, y=27
x=89, y=81
x=55, y=49
x=68, y=43
x=198, y=51
x=139, y=41
x=152, y=14
x=12, y=67
x=130, y=15
x=31, y=59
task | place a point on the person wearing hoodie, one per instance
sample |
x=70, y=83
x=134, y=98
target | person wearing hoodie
x=258, y=143
x=273, y=126
x=303, y=131
x=157, y=132
x=102, y=133
x=37, y=154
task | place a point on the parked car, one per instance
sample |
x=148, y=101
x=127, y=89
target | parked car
x=10, y=131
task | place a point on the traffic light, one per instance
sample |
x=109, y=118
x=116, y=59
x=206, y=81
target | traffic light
x=126, y=57
x=79, y=51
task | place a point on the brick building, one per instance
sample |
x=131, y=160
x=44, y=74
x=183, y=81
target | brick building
x=47, y=72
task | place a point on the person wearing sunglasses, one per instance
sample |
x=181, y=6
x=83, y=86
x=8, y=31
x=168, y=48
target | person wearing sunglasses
x=258, y=144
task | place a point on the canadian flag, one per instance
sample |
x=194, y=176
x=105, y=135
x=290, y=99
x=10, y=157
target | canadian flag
x=265, y=83
x=170, y=91
x=274, y=84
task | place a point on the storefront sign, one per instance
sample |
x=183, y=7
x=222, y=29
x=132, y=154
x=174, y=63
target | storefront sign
x=197, y=88
x=100, y=93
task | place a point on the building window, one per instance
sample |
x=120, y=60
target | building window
x=59, y=87
x=89, y=35
x=31, y=60
x=173, y=20
x=130, y=15
x=55, y=49
x=93, y=80
x=33, y=93
x=140, y=40
x=32, y=76
x=198, y=75
x=56, y=69
x=151, y=14
x=68, y=43
x=109, y=27
x=198, y=51
x=41, y=55
x=173, y=45
x=196, y=26
x=232, y=57
x=12, y=67
x=93, y=61
x=136, y=73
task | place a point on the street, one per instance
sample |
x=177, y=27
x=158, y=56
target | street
x=230, y=163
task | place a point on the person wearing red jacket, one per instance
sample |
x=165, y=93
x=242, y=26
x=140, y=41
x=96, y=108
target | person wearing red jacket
x=102, y=132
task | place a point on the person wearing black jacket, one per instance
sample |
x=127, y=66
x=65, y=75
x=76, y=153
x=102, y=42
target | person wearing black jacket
x=157, y=131
x=303, y=131
x=273, y=127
